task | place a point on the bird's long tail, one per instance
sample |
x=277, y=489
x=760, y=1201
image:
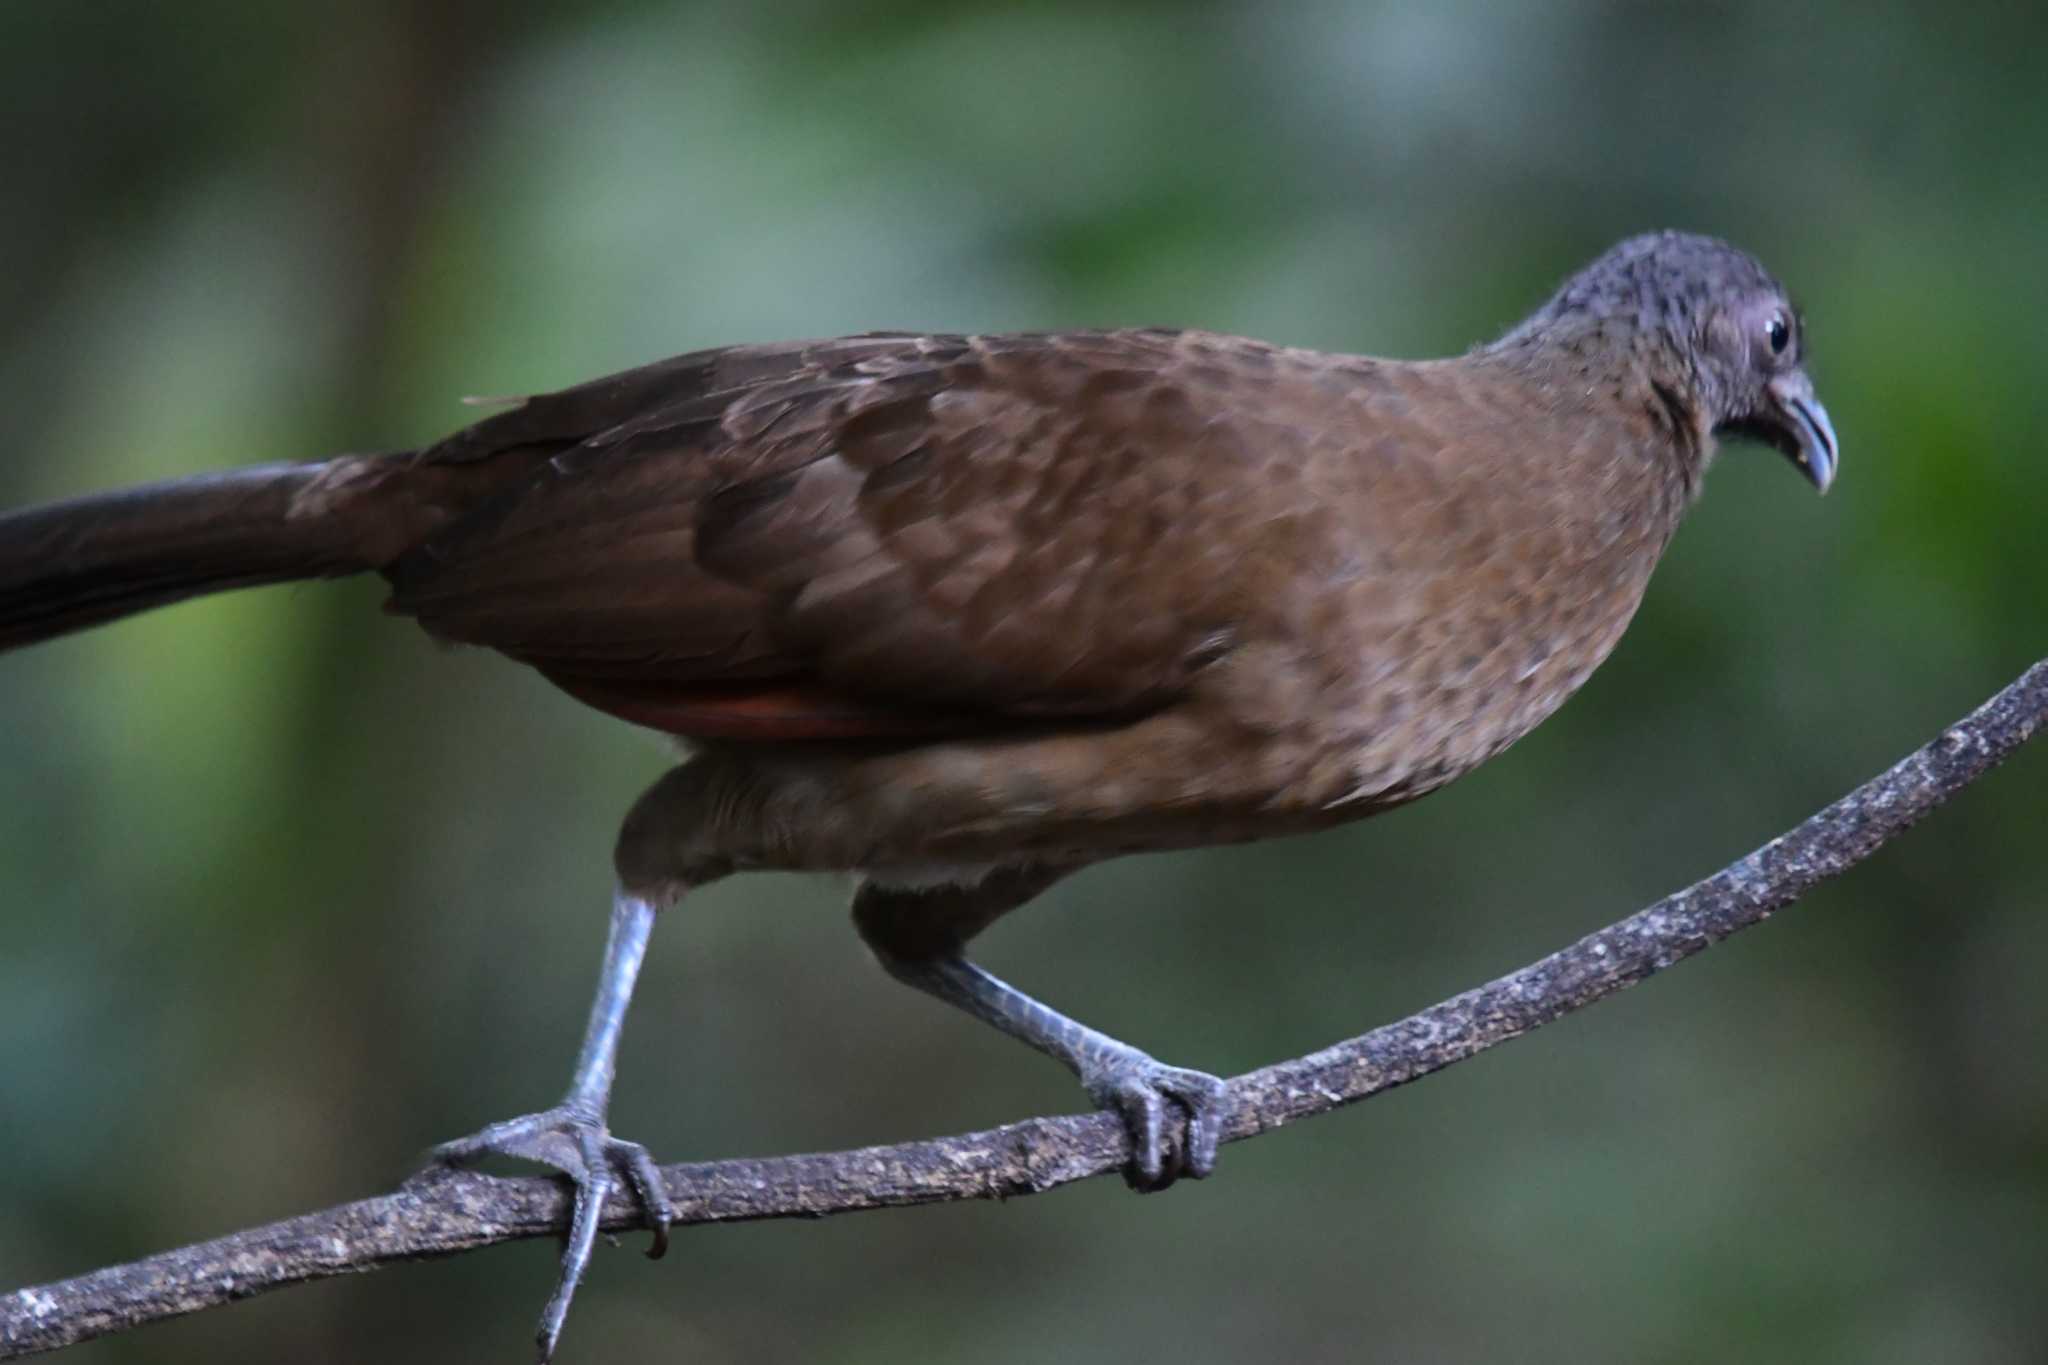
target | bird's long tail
x=68, y=565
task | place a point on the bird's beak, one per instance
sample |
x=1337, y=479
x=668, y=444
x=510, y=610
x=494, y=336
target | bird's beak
x=1805, y=434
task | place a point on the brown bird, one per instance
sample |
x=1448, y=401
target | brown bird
x=964, y=614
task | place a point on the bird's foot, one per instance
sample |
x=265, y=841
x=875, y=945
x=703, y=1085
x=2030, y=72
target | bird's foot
x=1174, y=1115
x=577, y=1144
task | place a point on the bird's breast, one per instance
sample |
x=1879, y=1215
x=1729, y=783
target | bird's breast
x=1431, y=643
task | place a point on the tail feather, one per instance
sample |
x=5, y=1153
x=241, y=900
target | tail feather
x=68, y=565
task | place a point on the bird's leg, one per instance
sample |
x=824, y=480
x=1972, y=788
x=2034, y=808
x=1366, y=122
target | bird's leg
x=1116, y=1075
x=1175, y=1116
x=572, y=1136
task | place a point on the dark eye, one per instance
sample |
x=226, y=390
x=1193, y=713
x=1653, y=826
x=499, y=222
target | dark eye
x=1779, y=333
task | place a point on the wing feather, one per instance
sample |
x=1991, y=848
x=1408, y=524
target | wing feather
x=883, y=534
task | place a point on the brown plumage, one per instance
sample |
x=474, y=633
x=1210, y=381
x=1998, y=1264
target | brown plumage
x=965, y=613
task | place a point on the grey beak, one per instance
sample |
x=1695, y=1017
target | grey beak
x=1814, y=448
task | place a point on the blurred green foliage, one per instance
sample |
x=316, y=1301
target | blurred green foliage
x=291, y=893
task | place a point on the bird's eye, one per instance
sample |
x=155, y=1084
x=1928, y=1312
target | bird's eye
x=1779, y=333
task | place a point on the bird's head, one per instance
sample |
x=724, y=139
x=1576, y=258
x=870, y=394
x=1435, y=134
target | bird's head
x=1721, y=339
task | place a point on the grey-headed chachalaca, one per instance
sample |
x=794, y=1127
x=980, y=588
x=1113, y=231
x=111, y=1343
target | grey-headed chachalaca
x=962, y=614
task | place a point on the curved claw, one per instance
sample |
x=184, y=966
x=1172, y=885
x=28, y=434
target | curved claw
x=1166, y=1143
x=582, y=1148
x=652, y=1192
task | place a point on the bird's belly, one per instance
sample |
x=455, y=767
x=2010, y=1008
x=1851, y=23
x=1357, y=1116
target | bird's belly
x=1373, y=708
x=1456, y=708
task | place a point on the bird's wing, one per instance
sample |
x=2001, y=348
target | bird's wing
x=885, y=534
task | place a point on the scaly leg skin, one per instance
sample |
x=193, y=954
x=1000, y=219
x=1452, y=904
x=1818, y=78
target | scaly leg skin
x=572, y=1136
x=1116, y=1075
x=1175, y=1116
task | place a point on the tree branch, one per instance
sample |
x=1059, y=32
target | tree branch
x=444, y=1212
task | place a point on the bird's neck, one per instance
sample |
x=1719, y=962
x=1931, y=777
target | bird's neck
x=1610, y=364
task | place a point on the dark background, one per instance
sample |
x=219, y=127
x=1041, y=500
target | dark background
x=287, y=892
